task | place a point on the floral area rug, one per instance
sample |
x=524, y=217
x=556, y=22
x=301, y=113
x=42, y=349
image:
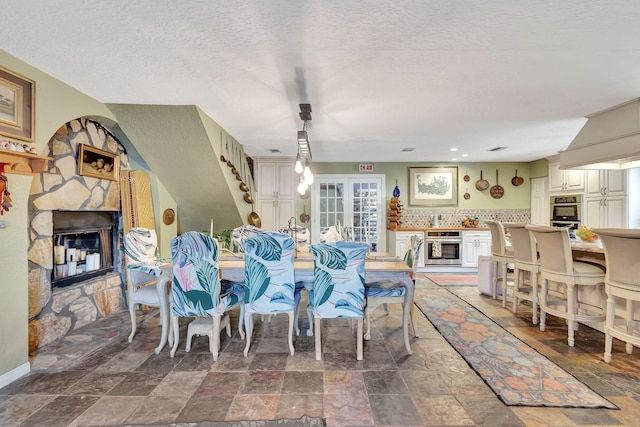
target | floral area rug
x=453, y=279
x=517, y=374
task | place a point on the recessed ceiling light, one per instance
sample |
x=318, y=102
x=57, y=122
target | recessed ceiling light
x=454, y=159
x=464, y=155
x=453, y=149
x=408, y=149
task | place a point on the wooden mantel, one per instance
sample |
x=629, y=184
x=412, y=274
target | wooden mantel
x=22, y=163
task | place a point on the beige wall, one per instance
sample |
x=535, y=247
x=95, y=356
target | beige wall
x=56, y=104
x=539, y=168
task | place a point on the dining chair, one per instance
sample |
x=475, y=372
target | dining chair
x=526, y=267
x=269, y=286
x=383, y=292
x=197, y=291
x=569, y=279
x=501, y=256
x=146, y=284
x=338, y=287
x=622, y=283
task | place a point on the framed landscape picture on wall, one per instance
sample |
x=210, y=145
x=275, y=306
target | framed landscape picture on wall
x=433, y=186
x=17, y=106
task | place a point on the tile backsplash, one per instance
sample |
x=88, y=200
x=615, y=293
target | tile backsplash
x=414, y=218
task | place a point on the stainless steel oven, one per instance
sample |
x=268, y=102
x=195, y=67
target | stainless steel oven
x=443, y=247
x=566, y=211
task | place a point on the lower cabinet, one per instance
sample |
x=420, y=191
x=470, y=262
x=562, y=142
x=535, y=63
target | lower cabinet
x=607, y=212
x=275, y=214
x=475, y=244
x=399, y=242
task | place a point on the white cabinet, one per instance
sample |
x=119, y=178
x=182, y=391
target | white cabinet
x=275, y=193
x=603, y=183
x=399, y=243
x=474, y=244
x=565, y=181
x=609, y=212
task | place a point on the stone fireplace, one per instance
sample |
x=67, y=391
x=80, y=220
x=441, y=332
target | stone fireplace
x=79, y=213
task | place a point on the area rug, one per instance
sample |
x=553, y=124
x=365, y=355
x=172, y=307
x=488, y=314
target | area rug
x=302, y=422
x=517, y=374
x=453, y=279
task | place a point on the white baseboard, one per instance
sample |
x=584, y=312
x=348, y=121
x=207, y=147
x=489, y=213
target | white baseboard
x=14, y=374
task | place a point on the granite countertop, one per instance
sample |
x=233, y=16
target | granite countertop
x=442, y=229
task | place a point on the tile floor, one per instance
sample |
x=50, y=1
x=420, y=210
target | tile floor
x=95, y=377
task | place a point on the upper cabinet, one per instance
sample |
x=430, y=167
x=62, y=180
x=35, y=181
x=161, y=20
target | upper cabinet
x=565, y=181
x=276, y=180
x=602, y=183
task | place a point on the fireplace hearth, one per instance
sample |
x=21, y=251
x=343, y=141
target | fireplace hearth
x=84, y=245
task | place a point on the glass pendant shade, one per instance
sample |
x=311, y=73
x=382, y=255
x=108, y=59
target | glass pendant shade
x=298, y=167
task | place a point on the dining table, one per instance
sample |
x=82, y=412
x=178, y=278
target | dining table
x=378, y=266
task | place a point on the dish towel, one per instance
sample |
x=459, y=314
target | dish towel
x=436, y=249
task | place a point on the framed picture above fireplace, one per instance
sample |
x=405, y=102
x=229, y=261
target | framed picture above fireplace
x=98, y=163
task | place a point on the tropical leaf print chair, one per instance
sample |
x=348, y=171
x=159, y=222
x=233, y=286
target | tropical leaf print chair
x=269, y=286
x=197, y=291
x=338, y=286
x=379, y=293
x=143, y=274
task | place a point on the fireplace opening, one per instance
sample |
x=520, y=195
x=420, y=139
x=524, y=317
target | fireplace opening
x=84, y=245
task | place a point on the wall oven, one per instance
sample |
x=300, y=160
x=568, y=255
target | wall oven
x=443, y=247
x=566, y=211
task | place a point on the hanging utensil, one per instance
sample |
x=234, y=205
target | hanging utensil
x=467, y=196
x=248, y=198
x=482, y=184
x=254, y=218
x=228, y=155
x=243, y=187
x=466, y=178
x=304, y=216
x=517, y=180
x=497, y=191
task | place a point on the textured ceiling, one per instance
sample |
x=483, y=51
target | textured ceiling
x=380, y=76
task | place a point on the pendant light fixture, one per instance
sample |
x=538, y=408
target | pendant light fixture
x=303, y=158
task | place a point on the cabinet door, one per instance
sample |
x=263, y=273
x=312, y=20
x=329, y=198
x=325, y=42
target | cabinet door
x=484, y=247
x=616, y=182
x=594, y=183
x=267, y=212
x=556, y=180
x=593, y=212
x=574, y=180
x=285, y=212
x=469, y=252
x=267, y=180
x=286, y=181
x=615, y=212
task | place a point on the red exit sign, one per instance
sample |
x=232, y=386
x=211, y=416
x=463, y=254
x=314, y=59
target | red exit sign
x=366, y=167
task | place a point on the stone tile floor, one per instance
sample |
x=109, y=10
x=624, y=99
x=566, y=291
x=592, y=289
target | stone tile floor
x=95, y=377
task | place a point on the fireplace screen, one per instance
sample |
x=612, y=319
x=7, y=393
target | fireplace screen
x=83, y=245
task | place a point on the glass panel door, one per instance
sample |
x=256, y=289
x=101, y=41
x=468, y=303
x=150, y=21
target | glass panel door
x=355, y=202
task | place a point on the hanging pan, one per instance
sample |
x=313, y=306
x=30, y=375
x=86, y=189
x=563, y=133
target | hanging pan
x=497, y=191
x=243, y=187
x=467, y=178
x=467, y=196
x=517, y=180
x=482, y=184
x=248, y=198
x=228, y=156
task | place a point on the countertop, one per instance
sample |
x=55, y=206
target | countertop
x=442, y=229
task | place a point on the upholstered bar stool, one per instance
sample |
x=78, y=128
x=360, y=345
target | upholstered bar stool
x=622, y=282
x=502, y=255
x=526, y=267
x=571, y=277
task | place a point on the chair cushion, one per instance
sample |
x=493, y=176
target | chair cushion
x=586, y=268
x=147, y=295
x=150, y=267
x=376, y=292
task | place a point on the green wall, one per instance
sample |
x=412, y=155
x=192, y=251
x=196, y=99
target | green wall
x=56, y=103
x=514, y=197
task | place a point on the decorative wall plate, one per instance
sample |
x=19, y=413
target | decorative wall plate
x=168, y=216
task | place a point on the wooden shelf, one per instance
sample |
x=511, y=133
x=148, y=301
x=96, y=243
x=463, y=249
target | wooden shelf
x=23, y=163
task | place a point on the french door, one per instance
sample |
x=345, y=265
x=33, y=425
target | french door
x=355, y=201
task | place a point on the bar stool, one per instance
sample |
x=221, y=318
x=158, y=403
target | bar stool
x=527, y=267
x=622, y=281
x=502, y=255
x=572, y=277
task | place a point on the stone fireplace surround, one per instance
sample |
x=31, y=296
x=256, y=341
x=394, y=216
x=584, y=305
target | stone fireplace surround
x=54, y=313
